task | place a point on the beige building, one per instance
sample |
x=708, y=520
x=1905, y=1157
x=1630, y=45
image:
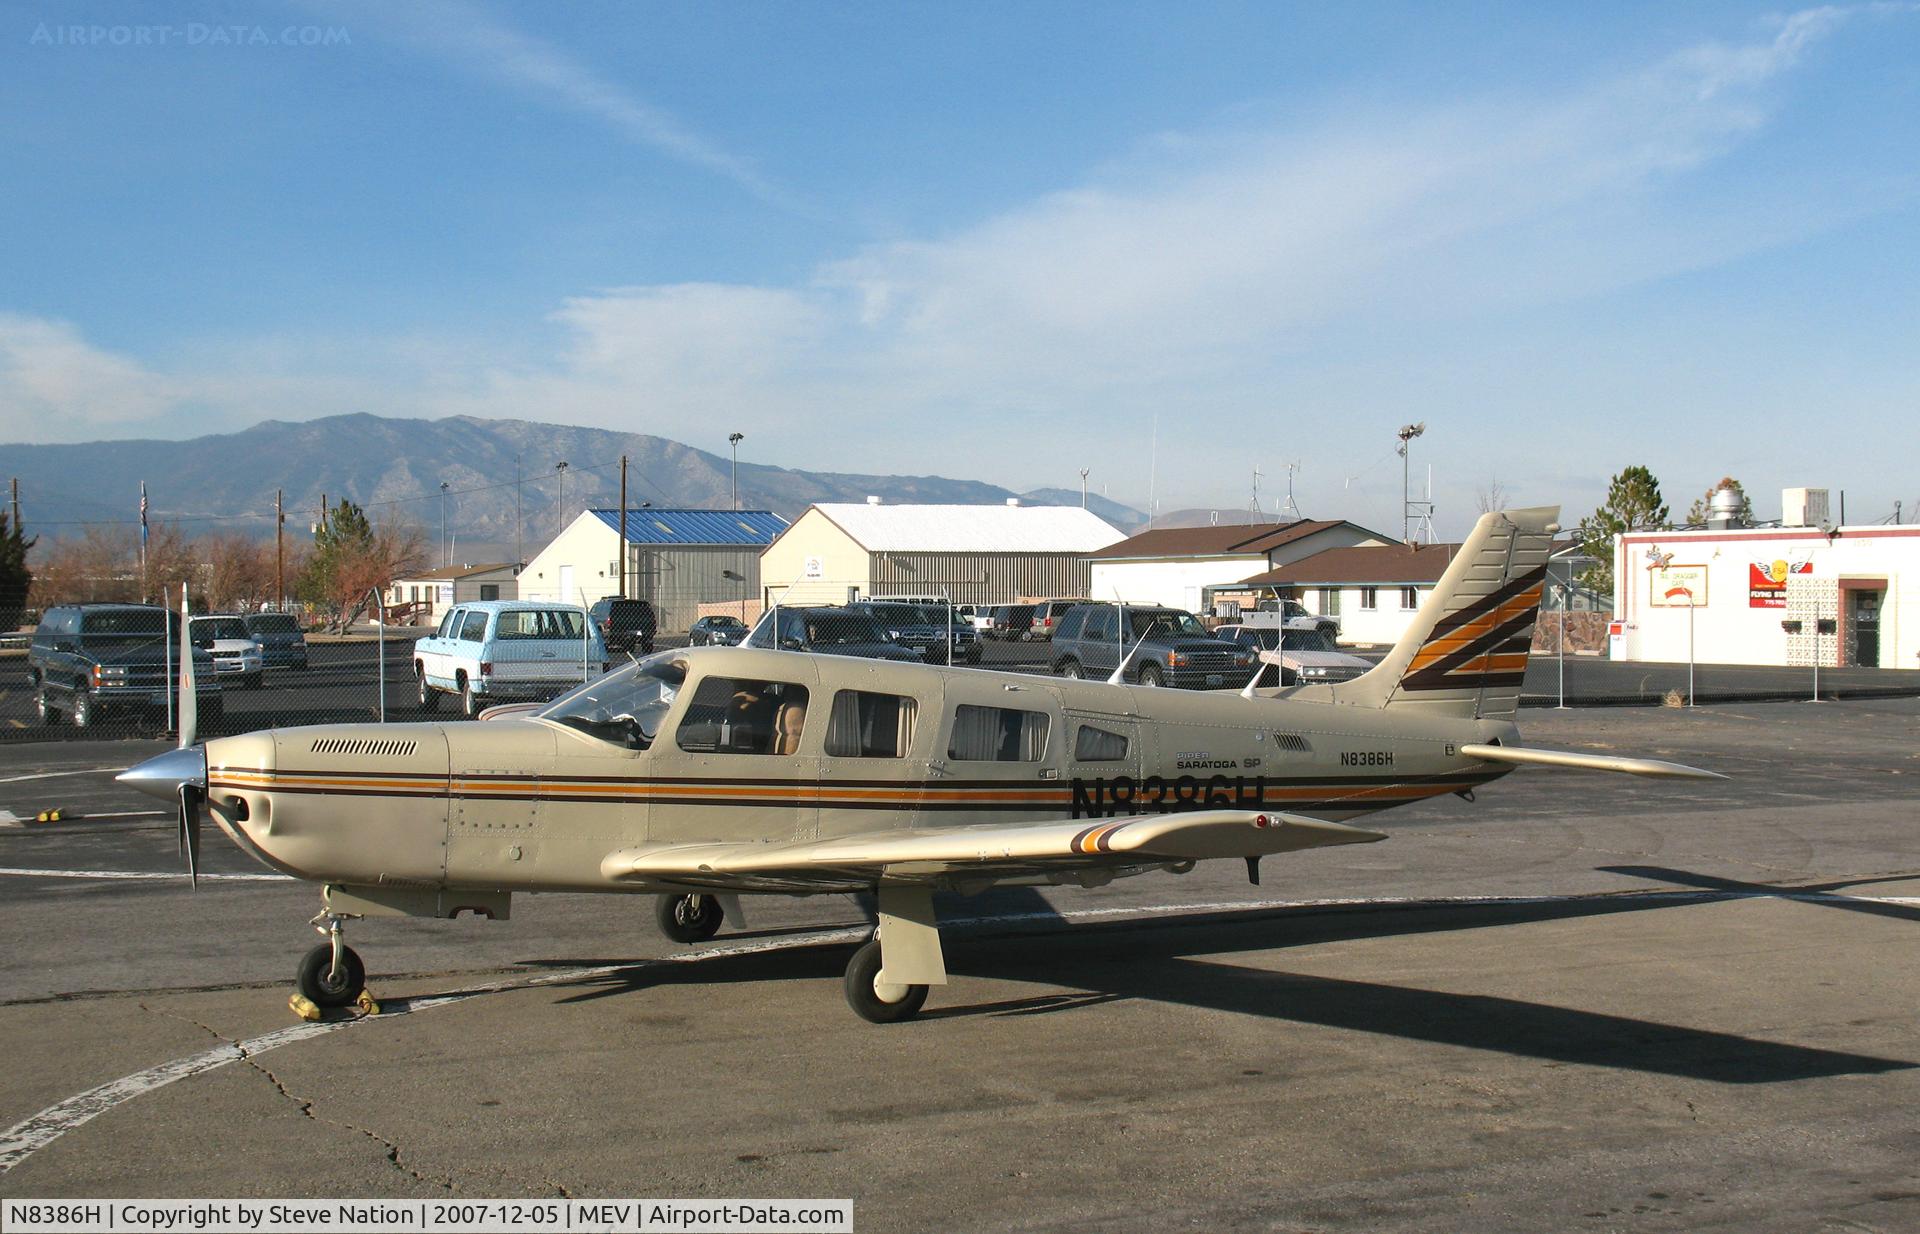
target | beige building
x=683, y=562
x=423, y=598
x=970, y=554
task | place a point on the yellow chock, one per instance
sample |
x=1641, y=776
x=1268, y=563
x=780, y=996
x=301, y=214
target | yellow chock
x=48, y=816
x=366, y=1004
x=304, y=1007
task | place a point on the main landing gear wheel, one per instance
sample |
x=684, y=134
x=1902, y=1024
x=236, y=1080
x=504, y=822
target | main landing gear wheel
x=326, y=986
x=875, y=1001
x=689, y=918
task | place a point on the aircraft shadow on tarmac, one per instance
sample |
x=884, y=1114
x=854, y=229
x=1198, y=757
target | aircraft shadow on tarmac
x=1178, y=962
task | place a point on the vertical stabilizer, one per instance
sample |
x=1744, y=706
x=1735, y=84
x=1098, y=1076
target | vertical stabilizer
x=1466, y=650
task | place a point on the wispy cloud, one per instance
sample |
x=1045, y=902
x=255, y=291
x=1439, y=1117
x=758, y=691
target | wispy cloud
x=1311, y=268
x=480, y=43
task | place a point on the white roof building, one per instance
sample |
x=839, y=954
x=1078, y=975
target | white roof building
x=972, y=554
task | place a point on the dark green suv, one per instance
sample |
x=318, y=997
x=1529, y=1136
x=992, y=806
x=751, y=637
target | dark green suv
x=88, y=660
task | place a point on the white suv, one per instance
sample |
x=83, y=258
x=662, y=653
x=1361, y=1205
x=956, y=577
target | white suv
x=507, y=649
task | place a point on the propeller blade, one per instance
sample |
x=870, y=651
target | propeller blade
x=189, y=692
x=191, y=795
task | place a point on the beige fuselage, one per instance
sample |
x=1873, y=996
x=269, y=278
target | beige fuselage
x=530, y=804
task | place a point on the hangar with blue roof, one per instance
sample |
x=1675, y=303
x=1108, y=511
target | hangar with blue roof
x=685, y=562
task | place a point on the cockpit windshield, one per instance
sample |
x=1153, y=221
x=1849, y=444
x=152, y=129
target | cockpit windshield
x=625, y=707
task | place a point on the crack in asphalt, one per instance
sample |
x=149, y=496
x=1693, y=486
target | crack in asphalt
x=305, y=1105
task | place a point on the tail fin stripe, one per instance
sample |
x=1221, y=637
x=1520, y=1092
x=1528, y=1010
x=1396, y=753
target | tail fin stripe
x=1435, y=648
x=1467, y=667
x=1531, y=579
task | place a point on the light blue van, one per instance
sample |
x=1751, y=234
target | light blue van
x=493, y=650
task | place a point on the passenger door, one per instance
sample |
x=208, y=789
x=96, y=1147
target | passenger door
x=742, y=761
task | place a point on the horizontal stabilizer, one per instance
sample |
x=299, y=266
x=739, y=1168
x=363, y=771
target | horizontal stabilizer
x=1519, y=756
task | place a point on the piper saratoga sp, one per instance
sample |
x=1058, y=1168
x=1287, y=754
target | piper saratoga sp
x=707, y=774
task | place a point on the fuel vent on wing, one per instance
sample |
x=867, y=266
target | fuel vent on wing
x=390, y=748
x=1291, y=741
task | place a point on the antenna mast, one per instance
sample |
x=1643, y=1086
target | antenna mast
x=1280, y=516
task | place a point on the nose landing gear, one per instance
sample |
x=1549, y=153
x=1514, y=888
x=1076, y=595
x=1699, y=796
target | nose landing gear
x=331, y=975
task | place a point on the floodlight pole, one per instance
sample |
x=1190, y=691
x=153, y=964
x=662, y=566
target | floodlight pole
x=443, y=525
x=561, y=501
x=733, y=468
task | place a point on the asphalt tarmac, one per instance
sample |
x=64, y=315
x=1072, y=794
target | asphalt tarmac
x=1579, y=1003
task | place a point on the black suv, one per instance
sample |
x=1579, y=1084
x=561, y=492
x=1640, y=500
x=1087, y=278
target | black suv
x=625, y=625
x=1163, y=646
x=924, y=627
x=831, y=631
x=89, y=659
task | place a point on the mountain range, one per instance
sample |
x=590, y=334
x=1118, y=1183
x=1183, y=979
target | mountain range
x=503, y=496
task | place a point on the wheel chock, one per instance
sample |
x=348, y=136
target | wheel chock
x=49, y=816
x=366, y=1005
x=304, y=1007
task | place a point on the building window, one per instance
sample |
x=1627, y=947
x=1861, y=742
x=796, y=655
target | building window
x=997, y=735
x=1409, y=598
x=868, y=725
x=1369, y=598
x=734, y=716
x=489, y=591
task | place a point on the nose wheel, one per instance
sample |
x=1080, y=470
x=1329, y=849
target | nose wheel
x=331, y=975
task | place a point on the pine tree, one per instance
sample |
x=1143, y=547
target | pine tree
x=1633, y=504
x=15, y=577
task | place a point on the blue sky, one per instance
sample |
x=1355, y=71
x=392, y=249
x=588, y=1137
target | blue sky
x=999, y=241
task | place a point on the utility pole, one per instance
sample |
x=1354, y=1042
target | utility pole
x=733, y=469
x=561, y=467
x=16, y=507
x=279, y=550
x=519, y=552
x=443, y=525
x=623, y=526
x=322, y=524
x=1407, y=433
x=1083, y=487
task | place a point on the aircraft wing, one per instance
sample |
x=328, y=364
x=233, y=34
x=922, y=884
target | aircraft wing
x=925, y=854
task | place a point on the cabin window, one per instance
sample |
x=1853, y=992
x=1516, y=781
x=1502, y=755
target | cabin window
x=733, y=715
x=450, y=624
x=1100, y=625
x=1369, y=598
x=997, y=735
x=1098, y=745
x=1409, y=598
x=868, y=725
x=474, y=628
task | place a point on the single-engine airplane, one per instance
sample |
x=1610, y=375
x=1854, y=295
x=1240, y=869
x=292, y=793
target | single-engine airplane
x=705, y=774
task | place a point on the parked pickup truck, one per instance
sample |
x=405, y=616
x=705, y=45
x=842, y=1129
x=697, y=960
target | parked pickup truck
x=1290, y=615
x=89, y=659
x=486, y=650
